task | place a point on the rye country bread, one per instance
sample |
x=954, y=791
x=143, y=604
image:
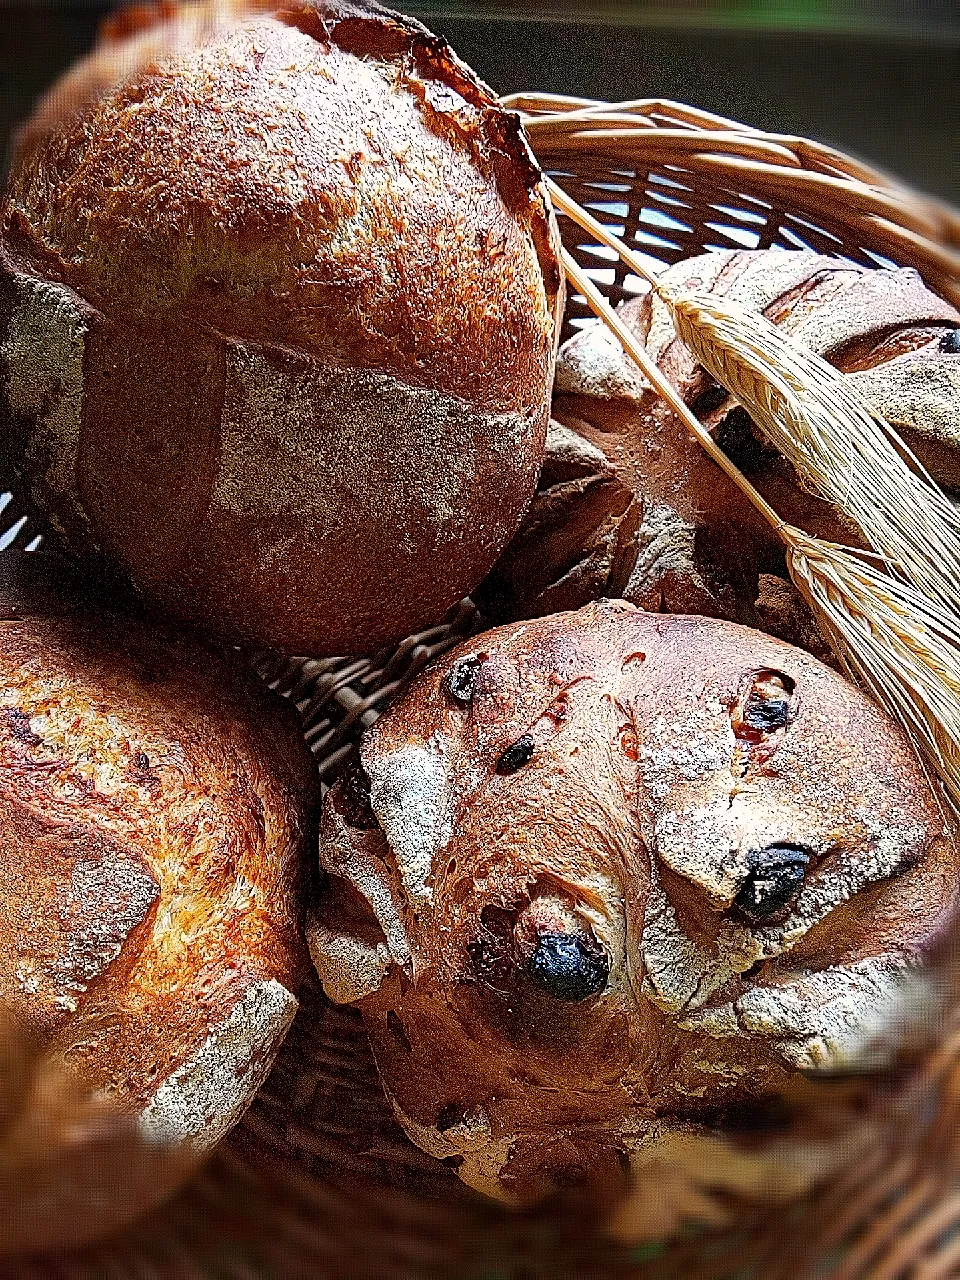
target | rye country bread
x=157, y=806
x=628, y=503
x=279, y=304
x=606, y=881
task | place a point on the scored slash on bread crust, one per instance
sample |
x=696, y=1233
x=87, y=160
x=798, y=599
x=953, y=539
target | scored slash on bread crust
x=671, y=762
x=298, y=272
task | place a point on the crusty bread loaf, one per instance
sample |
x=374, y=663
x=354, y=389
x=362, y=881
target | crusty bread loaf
x=156, y=807
x=278, y=313
x=630, y=505
x=608, y=879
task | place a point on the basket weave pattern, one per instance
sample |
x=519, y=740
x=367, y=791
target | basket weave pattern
x=318, y=1180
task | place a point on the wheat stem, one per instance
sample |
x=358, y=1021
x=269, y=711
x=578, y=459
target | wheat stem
x=607, y=237
x=636, y=350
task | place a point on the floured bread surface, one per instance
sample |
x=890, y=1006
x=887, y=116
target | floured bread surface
x=279, y=306
x=606, y=880
x=155, y=809
x=640, y=511
x=207, y=1095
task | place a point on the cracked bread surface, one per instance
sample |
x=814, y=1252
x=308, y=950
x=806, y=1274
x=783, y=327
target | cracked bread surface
x=741, y=837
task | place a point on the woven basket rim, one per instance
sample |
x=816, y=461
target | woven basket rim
x=900, y=221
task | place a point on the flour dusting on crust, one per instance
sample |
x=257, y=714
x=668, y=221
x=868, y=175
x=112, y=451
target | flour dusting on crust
x=679, y=972
x=572, y=449
x=43, y=355
x=411, y=794
x=349, y=967
x=834, y=1019
x=915, y=391
x=593, y=363
x=205, y=1097
x=345, y=445
x=665, y=544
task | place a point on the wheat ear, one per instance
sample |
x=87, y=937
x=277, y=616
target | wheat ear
x=811, y=414
x=838, y=446
x=894, y=642
x=896, y=638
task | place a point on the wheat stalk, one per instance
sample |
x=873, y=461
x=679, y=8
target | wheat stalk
x=893, y=641
x=890, y=618
x=840, y=448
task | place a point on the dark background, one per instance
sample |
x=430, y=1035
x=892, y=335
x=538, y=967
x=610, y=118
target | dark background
x=879, y=80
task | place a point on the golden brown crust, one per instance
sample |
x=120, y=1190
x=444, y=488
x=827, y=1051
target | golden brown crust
x=313, y=222
x=156, y=808
x=619, y=778
x=646, y=515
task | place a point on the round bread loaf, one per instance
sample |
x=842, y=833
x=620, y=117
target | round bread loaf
x=279, y=302
x=156, y=807
x=607, y=880
x=630, y=505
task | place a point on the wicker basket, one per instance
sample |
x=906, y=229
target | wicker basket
x=318, y=1180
